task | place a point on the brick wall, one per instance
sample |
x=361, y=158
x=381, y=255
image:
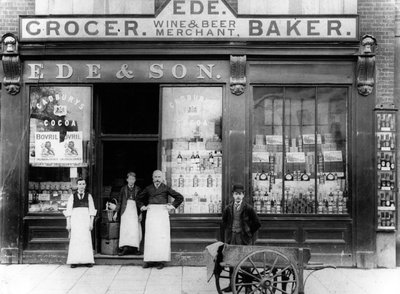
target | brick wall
x=377, y=19
x=9, y=12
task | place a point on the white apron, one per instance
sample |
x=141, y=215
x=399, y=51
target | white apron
x=157, y=240
x=130, y=232
x=80, y=245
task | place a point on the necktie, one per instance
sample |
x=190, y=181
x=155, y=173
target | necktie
x=237, y=206
x=80, y=196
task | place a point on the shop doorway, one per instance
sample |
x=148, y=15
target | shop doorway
x=127, y=137
x=121, y=157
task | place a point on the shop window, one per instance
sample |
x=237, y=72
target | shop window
x=59, y=144
x=192, y=146
x=299, y=154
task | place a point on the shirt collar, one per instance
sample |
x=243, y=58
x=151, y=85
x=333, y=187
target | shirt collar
x=238, y=204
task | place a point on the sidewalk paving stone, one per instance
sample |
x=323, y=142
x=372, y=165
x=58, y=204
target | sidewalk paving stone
x=121, y=279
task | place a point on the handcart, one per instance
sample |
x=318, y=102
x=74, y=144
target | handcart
x=261, y=269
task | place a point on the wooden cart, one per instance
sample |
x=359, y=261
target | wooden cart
x=266, y=270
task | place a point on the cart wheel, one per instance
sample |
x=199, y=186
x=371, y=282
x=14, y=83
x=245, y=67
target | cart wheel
x=265, y=271
x=222, y=279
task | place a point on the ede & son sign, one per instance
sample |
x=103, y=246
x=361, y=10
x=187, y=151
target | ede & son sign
x=188, y=20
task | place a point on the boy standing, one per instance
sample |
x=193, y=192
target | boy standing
x=239, y=219
x=130, y=233
x=239, y=222
x=80, y=215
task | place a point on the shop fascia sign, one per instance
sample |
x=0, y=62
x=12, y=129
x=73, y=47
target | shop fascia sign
x=186, y=20
x=126, y=71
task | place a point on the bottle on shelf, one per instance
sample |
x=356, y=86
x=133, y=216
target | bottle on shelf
x=391, y=143
x=179, y=158
x=195, y=181
x=382, y=161
x=197, y=158
x=219, y=206
x=391, y=199
x=209, y=181
x=211, y=206
x=211, y=158
x=391, y=160
x=387, y=200
x=181, y=181
x=378, y=142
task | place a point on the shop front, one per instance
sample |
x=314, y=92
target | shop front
x=273, y=103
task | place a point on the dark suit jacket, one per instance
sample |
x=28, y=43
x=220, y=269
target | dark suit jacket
x=151, y=195
x=123, y=199
x=249, y=223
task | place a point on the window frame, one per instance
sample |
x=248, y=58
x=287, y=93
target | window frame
x=347, y=158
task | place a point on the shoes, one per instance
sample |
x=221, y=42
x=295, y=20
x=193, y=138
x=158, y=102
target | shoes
x=124, y=251
x=73, y=265
x=89, y=265
x=137, y=252
x=145, y=265
x=227, y=289
x=160, y=265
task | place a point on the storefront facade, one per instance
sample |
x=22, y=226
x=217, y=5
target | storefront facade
x=213, y=94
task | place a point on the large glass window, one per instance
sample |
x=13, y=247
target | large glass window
x=192, y=147
x=299, y=150
x=59, y=144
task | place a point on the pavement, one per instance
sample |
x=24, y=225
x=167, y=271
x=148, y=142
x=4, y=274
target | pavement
x=121, y=279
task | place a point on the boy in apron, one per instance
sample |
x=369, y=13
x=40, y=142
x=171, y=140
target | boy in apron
x=80, y=215
x=130, y=232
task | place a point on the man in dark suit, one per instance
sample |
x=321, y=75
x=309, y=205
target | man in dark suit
x=239, y=222
x=157, y=241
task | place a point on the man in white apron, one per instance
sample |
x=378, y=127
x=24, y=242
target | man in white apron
x=157, y=241
x=80, y=215
x=130, y=232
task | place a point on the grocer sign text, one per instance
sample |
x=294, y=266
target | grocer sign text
x=189, y=20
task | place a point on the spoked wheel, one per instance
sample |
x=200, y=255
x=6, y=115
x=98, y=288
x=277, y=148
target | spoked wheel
x=265, y=272
x=222, y=279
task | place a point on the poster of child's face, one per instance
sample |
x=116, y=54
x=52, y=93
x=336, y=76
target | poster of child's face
x=70, y=149
x=47, y=149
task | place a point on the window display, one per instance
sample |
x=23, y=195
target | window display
x=386, y=168
x=192, y=146
x=59, y=144
x=299, y=150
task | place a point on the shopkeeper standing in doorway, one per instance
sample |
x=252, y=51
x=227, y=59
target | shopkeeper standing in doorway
x=80, y=215
x=130, y=232
x=157, y=241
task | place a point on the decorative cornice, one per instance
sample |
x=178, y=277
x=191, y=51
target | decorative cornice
x=366, y=65
x=11, y=63
x=238, y=74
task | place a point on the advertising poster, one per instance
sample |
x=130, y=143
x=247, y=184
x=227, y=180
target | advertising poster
x=47, y=147
x=59, y=126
